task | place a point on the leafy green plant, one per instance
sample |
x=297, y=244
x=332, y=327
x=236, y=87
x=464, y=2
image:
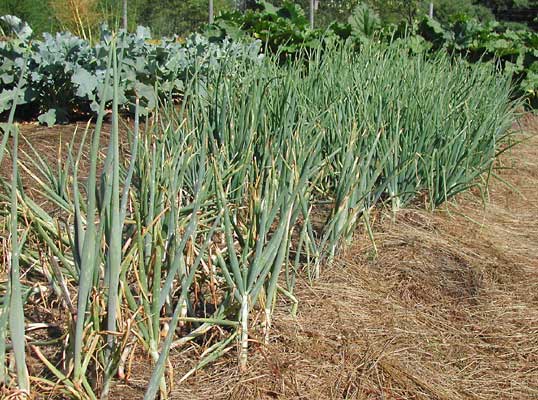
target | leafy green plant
x=364, y=21
x=65, y=74
x=284, y=30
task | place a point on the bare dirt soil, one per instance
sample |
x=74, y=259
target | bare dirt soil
x=448, y=309
x=51, y=144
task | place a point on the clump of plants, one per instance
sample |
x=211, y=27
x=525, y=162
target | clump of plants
x=285, y=30
x=222, y=200
x=64, y=75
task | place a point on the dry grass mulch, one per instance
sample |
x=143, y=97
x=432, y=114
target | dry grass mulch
x=449, y=310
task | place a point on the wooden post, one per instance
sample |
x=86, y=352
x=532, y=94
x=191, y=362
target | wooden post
x=211, y=18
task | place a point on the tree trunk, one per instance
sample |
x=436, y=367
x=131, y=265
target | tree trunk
x=311, y=14
x=211, y=18
x=124, y=15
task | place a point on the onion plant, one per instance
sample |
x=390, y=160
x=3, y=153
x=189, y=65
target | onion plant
x=221, y=199
x=11, y=304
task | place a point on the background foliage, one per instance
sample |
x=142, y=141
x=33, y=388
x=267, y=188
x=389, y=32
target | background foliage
x=285, y=30
x=57, y=63
x=167, y=17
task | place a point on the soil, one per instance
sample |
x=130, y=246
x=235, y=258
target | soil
x=447, y=310
x=51, y=144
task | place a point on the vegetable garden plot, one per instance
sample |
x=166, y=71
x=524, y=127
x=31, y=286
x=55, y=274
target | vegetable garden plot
x=209, y=217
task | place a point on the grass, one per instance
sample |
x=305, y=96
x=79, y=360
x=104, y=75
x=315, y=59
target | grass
x=214, y=209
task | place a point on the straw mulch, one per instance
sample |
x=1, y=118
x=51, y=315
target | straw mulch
x=448, y=310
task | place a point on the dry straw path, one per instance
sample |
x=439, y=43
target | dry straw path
x=449, y=310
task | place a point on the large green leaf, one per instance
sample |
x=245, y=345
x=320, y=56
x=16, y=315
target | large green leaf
x=364, y=21
x=85, y=82
x=48, y=118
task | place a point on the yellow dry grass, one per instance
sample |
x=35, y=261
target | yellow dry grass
x=80, y=17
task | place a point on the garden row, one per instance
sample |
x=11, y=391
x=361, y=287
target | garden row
x=255, y=176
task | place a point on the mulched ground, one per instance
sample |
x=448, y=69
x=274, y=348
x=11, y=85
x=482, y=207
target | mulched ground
x=448, y=310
